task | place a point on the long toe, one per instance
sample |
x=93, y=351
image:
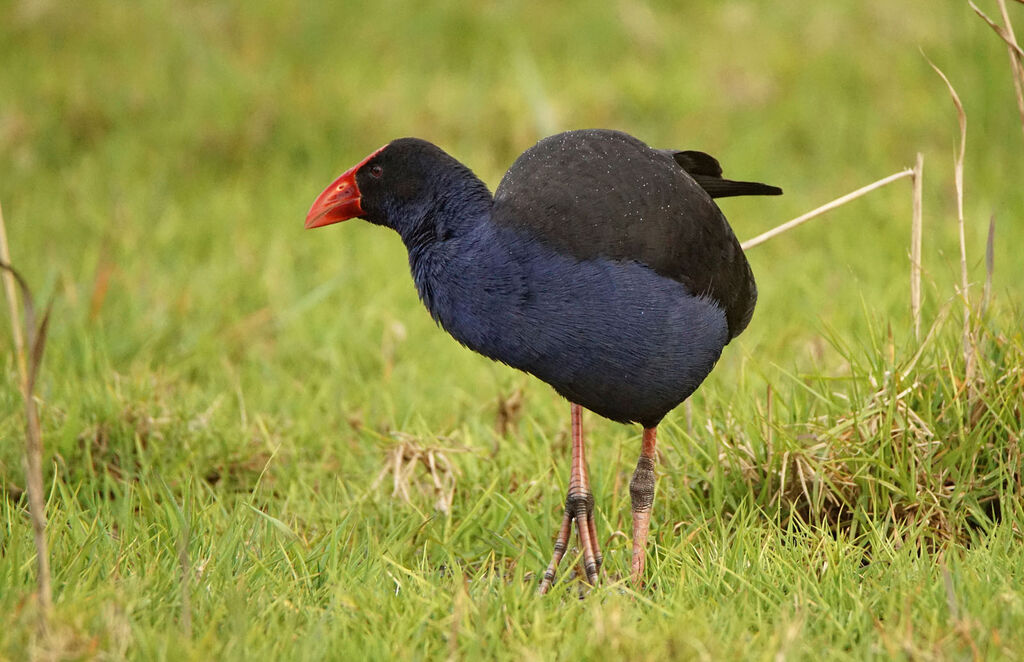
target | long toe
x=598, y=557
x=561, y=543
x=588, y=543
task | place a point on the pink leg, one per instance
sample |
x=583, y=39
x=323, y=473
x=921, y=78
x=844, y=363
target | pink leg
x=579, y=507
x=641, y=492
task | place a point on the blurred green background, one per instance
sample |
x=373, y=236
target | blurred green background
x=157, y=160
x=182, y=143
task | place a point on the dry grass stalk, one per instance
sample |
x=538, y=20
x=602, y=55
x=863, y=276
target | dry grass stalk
x=1014, y=50
x=958, y=172
x=915, y=248
x=30, y=356
x=990, y=263
x=838, y=202
x=1016, y=63
x=393, y=336
x=510, y=409
x=10, y=289
x=402, y=461
x=1006, y=34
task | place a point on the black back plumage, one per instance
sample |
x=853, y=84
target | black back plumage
x=600, y=193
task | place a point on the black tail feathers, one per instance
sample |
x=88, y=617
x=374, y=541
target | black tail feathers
x=707, y=172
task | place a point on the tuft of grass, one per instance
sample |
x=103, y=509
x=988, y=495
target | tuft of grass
x=898, y=443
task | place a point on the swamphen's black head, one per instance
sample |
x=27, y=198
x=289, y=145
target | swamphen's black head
x=401, y=185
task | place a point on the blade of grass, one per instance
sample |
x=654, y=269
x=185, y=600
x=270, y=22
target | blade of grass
x=276, y=523
x=990, y=263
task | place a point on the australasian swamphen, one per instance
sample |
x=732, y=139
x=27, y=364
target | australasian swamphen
x=600, y=265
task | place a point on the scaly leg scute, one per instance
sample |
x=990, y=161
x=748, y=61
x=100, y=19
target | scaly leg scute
x=641, y=493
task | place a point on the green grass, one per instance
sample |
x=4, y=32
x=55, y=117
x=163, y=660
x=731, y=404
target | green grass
x=221, y=383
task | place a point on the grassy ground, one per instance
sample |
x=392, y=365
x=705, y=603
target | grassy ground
x=240, y=417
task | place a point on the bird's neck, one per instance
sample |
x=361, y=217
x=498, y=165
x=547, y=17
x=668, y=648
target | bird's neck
x=461, y=202
x=443, y=233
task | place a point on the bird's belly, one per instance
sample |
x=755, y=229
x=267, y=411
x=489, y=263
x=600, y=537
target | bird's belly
x=613, y=337
x=634, y=368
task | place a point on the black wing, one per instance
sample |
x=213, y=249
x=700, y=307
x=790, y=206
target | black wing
x=599, y=193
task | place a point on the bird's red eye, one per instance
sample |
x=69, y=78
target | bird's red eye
x=376, y=171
